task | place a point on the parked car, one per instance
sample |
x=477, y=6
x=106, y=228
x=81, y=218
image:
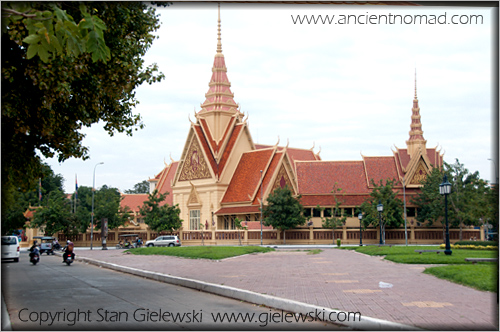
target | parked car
x=10, y=248
x=163, y=241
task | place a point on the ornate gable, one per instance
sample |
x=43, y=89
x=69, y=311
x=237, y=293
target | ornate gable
x=282, y=180
x=195, y=166
x=194, y=198
x=420, y=173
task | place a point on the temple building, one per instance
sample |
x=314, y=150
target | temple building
x=222, y=174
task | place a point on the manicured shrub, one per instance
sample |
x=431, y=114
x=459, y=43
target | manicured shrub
x=478, y=243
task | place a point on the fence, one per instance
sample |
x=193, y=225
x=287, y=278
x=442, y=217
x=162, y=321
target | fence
x=295, y=236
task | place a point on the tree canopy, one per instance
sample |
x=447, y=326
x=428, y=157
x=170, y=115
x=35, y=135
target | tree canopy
x=392, y=214
x=160, y=217
x=283, y=211
x=469, y=202
x=47, y=99
x=139, y=188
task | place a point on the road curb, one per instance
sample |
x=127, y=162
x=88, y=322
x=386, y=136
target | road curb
x=365, y=323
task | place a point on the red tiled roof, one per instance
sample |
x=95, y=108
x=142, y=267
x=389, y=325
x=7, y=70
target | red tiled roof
x=266, y=182
x=204, y=144
x=238, y=210
x=133, y=201
x=404, y=157
x=301, y=154
x=255, y=225
x=246, y=177
x=380, y=168
x=319, y=177
x=165, y=183
x=229, y=147
x=329, y=200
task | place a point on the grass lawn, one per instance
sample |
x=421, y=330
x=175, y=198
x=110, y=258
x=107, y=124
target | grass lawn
x=482, y=276
x=206, y=252
x=407, y=255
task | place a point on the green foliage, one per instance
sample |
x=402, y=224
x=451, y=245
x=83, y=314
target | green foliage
x=208, y=252
x=16, y=200
x=480, y=276
x=139, y=188
x=392, y=214
x=283, y=211
x=335, y=220
x=339, y=242
x=53, y=32
x=470, y=202
x=46, y=102
x=56, y=215
x=477, y=243
x=160, y=217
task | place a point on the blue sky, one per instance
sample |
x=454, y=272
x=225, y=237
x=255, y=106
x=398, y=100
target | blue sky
x=345, y=88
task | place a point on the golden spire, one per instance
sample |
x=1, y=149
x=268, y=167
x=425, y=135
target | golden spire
x=219, y=44
x=415, y=83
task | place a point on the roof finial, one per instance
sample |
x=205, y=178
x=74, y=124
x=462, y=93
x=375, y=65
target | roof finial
x=415, y=82
x=219, y=44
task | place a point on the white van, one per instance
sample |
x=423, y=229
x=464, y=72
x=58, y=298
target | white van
x=10, y=248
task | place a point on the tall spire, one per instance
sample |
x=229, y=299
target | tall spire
x=416, y=132
x=219, y=44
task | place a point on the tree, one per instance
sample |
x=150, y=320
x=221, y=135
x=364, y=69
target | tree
x=391, y=216
x=56, y=216
x=139, y=188
x=469, y=200
x=46, y=104
x=18, y=199
x=54, y=32
x=160, y=217
x=430, y=204
x=239, y=227
x=283, y=211
x=336, y=220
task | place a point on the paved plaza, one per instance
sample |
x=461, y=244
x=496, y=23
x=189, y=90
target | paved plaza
x=337, y=279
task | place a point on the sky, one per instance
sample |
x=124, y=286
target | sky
x=345, y=89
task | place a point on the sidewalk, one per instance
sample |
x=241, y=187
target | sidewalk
x=337, y=279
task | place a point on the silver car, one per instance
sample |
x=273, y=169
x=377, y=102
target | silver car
x=164, y=241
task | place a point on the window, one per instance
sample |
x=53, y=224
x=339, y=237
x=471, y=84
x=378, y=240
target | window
x=410, y=212
x=307, y=212
x=348, y=212
x=194, y=219
x=327, y=213
x=337, y=211
x=229, y=222
x=316, y=212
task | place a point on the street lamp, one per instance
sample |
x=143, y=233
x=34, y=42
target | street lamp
x=92, y=215
x=360, y=216
x=380, y=208
x=445, y=189
x=496, y=172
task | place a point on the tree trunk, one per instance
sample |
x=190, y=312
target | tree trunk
x=461, y=231
x=284, y=236
x=333, y=235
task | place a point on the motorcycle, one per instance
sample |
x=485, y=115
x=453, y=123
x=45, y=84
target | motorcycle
x=35, y=256
x=69, y=259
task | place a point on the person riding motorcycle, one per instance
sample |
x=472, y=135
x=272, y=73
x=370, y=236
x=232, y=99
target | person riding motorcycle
x=68, y=250
x=34, y=250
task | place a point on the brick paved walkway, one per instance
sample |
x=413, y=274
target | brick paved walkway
x=338, y=279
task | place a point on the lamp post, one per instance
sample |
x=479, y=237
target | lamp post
x=92, y=215
x=261, y=207
x=496, y=172
x=445, y=189
x=360, y=216
x=404, y=199
x=380, y=208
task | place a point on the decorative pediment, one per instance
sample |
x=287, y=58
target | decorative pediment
x=420, y=173
x=282, y=180
x=194, y=198
x=195, y=166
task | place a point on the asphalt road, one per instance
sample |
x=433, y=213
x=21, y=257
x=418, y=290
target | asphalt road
x=53, y=296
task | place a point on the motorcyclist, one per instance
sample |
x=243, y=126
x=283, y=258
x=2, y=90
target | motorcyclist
x=34, y=250
x=56, y=245
x=68, y=250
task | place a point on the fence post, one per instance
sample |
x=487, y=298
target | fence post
x=311, y=234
